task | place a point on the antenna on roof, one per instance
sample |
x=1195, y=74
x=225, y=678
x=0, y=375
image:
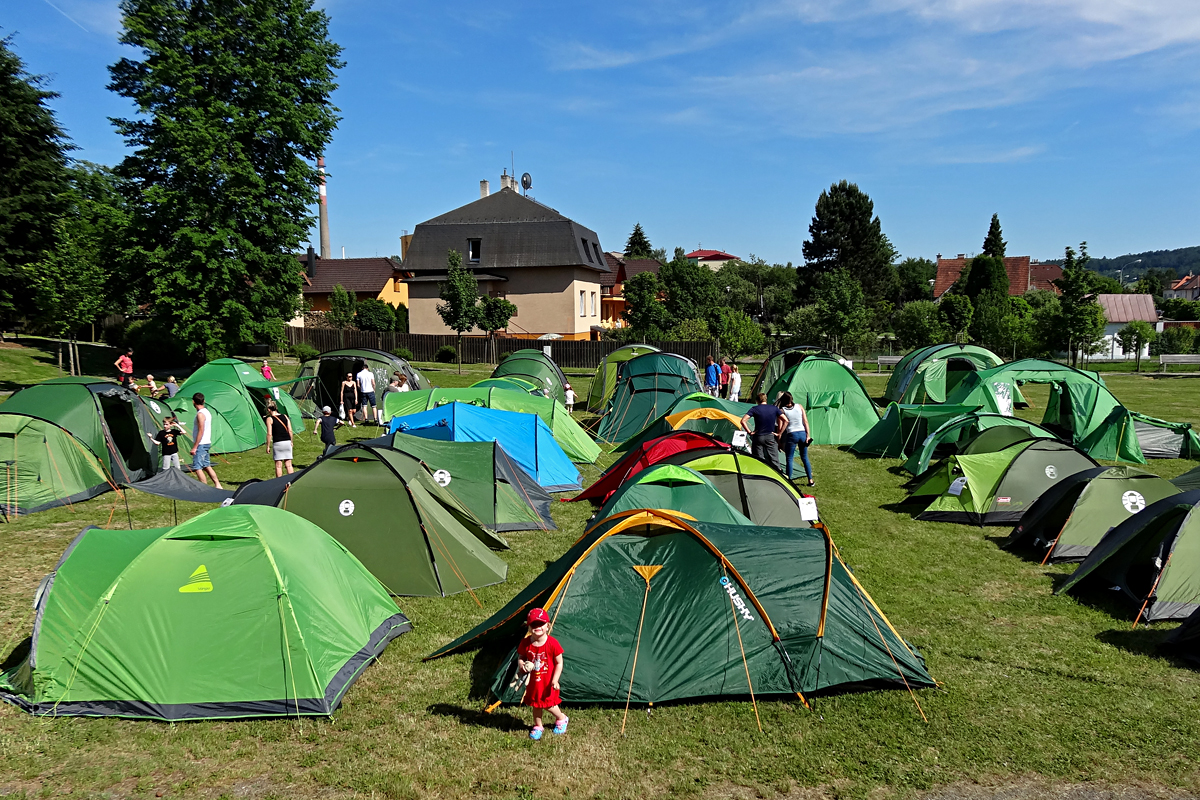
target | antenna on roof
x=526, y=182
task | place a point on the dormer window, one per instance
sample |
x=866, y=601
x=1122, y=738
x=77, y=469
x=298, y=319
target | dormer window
x=586, y=251
x=473, y=248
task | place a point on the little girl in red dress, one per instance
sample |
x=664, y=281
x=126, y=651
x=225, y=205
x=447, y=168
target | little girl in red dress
x=541, y=657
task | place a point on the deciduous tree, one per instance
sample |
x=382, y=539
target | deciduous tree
x=915, y=279
x=1082, y=317
x=691, y=289
x=374, y=315
x=956, y=312
x=459, y=308
x=644, y=310
x=494, y=315
x=738, y=334
x=919, y=324
x=841, y=312
x=68, y=289
x=1135, y=336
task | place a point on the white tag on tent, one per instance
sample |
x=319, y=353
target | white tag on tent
x=808, y=509
x=957, y=487
x=546, y=350
x=739, y=439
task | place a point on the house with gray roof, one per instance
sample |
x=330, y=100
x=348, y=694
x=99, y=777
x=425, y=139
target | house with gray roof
x=546, y=264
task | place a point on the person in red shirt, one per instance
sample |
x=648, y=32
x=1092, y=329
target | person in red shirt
x=540, y=656
x=725, y=371
x=124, y=366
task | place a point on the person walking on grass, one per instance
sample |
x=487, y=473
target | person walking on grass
x=712, y=377
x=540, y=656
x=366, y=394
x=266, y=371
x=792, y=430
x=762, y=435
x=279, y=439
x=569, y=394
x=124, y=365
x=202, y=441
x=726, y=370
x=349, y=399
x=327, y=426
x=735, y=383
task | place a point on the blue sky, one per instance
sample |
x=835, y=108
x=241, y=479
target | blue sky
x=718, y=124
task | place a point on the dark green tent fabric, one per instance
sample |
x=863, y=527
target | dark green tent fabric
x=239, y=612
x=953, y=436
x=839, y=409
x=676, y=489
x=646, y=387
x=69, y=439
x=927, y=374
x=236, y=395
x=387, y=509
x=319, y=380
x=1153, y=557
x=1071, y=518
x=1184, y=641
x=805, y=623
x=781, y=361
x=536, y=367
x=1188, y=480
x=749, y=485
x=903, y=428
x=993, y=488
x=484, y=477
x=604, y=382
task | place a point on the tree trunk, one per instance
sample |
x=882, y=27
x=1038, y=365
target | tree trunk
x=60, y=357
x=78, y=360
x=71, y=357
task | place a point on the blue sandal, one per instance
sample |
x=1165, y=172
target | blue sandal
x=536, y=733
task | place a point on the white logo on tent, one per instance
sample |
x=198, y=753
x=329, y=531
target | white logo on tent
x=155, y=408
x=442, y=477
x=228, y=501
x=1002, y=391
x=1051, y=472
x=346, y=508
x=275, y=391
x=1133, y=501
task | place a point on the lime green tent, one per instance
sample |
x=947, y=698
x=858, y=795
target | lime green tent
x=646, y=387
x=239, y=612
x=571, y=437
x=1153, y=558
x=320, y=378
x=1081, y=409
x=750, y=486
x=604, y=382
x=413, y=535
x=781, y=361
x=536, y=367
x=925, y=375
x=996, y=487
x=236, y=394
x=839, y=409
x=680, y=490
x=902, y=429
x=1071, y=518
x=953, y=436
x=706, y=607
x=513, y=383
x=69, y=439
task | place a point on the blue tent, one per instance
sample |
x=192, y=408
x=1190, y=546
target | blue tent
x=526, y=438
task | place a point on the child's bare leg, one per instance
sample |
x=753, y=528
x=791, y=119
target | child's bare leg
x=557, y=712
x=537, y=717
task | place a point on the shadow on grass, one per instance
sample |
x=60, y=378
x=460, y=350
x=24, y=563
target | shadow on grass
x=499, y=720
x=1140, y=641
x=908, y=506
x=1113, y=602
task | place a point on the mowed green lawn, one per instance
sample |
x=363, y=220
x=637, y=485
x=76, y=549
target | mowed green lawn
x=1035, y=689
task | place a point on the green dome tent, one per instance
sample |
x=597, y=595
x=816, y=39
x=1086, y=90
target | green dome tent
x=386, y=508
x=957, y=434
x=1188, y=480
x=750, y=486
x=236, y=394
x=571, y=437
x=706, y=607
x=513, y=384
x=604, y=382
x=902, y=429
x=1071, y=518
x=536, y=367
x=677, y=489
x=239, y=612
x=997, y=487
x=69, y=439
x=839, y=409
x=646, y=386
x=781, y=361
x=319, y=381
x=1153, y=557
x=927, y=374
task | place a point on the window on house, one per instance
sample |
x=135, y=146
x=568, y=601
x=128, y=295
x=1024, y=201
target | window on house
x=582, y=302
x=596, y=249
x=473, y=247
x=587, y=252
x=593, y=304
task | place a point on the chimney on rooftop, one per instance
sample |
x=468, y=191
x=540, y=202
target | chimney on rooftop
x=312, y=263
x=962, y=255
x=484, y=189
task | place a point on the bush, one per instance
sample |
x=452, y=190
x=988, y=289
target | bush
x=275, y=332
x=403, y=352
x=691, y=330
x=1173, y=340
x=401, y=324
x=304, y=352
x=374, y=315
x=154, y=345
x=446, y=354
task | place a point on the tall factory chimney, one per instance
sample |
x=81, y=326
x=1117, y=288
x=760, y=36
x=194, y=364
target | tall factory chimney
x=324, y=211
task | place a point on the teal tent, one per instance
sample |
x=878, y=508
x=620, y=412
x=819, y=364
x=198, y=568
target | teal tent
x=535, y=367
x=646, y=387
x=903, y=428
x=604, y=382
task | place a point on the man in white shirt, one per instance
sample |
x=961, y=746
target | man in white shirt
x=366, y=391
x=202, y=441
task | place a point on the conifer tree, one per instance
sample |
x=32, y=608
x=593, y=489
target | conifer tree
x=846, y=235
x=638, y=246
x=994, y=244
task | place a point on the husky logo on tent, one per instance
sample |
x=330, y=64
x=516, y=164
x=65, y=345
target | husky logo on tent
x=198, y=582
x=1133, y=501
x=346, y=508
x=738, y=602
x=1051, y=471
x=442, y=477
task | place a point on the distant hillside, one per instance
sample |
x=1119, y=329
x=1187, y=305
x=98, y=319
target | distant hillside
x=1182, y=261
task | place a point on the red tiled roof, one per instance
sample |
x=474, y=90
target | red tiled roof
x=354, y=274
x=1186, y=282
x=1023, y=275
x=615, y=262
x=1041, y=275
x=711, y=255
x=1128, y=307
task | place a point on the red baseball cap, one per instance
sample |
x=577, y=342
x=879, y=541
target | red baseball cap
x=537, y=615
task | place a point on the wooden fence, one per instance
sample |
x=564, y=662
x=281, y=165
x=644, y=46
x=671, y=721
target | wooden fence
x=567, y=353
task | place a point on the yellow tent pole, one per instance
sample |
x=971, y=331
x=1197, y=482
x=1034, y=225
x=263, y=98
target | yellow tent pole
x=647, y=573
x=737, y=627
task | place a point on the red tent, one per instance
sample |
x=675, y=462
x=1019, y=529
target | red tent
x=645, y=455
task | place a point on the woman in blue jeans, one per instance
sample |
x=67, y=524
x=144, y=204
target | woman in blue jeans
x=793, y=433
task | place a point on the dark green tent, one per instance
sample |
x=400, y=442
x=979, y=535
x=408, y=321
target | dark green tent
x=1184, y=641
x=927, y=374
x=389, y=511
x=319, y=380
x=1071, y=518
x=839, y=409
x=536, y=367
x=781, y=361
x=604, y=382
x=705, y=606
x=903, y=428
x=747, y=484
x=715, y=422
x=951, y=437
x=1153, y=558
x=239, y=612
x=646, y=387
x=1188, y=480
x=996, y=487
x=236, y=395
x=69, y=439
x=676, y=489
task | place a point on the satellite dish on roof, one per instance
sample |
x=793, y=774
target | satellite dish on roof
x=527, y=181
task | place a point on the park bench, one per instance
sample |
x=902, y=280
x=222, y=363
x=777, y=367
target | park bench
x=1180, y=358
x=887, y=361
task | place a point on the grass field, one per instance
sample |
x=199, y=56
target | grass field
x=1036, y=690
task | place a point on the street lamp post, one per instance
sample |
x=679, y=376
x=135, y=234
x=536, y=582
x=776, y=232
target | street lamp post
x=1121, y=272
